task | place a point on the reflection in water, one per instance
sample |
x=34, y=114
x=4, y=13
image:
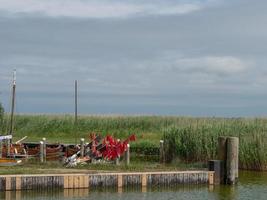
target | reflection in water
x=252, y=185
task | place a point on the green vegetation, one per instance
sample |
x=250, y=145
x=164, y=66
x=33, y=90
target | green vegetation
x=198, y=142
x=33, y=167
x=189, y=139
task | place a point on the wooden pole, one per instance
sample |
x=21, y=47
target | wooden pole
x=222, y=155
x=44, y=149
x=41, y=151
x=9, y=141
x=82, y=147
x=1, y=147
x=232, y=160
x=127, y=155
x=222, y=148
x=161, y=151
x=13, y=104
x=76, y=110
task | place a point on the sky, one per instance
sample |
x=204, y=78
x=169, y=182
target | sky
x=135, y=57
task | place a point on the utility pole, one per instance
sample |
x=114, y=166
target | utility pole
x=13, y=104
x=76, y=111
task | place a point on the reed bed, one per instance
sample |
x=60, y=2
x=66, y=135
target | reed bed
x=189, y=139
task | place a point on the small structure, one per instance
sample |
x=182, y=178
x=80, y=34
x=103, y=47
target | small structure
x=226, y=167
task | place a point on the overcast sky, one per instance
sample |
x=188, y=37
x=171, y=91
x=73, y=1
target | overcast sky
x=165, y=57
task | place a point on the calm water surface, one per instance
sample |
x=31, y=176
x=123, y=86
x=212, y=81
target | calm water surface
x=252, y=185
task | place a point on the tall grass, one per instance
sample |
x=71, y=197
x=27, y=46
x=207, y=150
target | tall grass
x=191, y=139
x=198, y=141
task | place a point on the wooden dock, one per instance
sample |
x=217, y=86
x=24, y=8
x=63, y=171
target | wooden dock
x=100, y=180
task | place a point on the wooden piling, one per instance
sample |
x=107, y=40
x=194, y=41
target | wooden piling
x=161, y=151
x=117, y=161
x=8, y=147
x=222, y=148
x=1, y=147
x=44, y=149
x=127, y=155
x=120, y=183
x=232, y=160
x=82, y=147
x=41, y=151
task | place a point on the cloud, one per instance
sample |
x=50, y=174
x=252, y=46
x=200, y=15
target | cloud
x=224, y=65
x=101, y=9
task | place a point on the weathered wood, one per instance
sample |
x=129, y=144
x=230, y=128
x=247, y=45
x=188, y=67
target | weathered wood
x=144, y=180
x=103, y=180
x=127, y=155
x=18, y=183
x=41, y=151
x=222, y=148
x=8, y=183
x=44, y=149
x=232, y=160
x=161, y=151
x=82, y=147
x=1, y=147
x=219, y=171
x=120, y=183
x=211, y=178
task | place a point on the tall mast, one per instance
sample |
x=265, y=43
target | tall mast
x=76, y=110
x=13, y=103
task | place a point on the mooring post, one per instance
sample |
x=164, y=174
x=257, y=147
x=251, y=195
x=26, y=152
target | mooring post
x=222, y=145
x=41, y=151
x=222, y=148
x=8, y=147
x=232, y=160
x=127, y=155
x=1, y=146
x=117, y=161
x=82, y=147
x=161, y=151
x=44, y=149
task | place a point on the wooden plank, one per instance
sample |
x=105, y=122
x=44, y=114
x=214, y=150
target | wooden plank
x=120, y=184
x=76, y=181
x=211, y=178
x=81, y=181
x=66, y=182
x=8, y=183
x=86, y=181
x=70, y=180
x=18, y=183
x=144, y=180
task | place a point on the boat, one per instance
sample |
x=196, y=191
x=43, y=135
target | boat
x=7, y=162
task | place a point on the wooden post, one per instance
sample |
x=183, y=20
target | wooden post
x=232, y=160
x=76, y=110
x=41, y=151
x=1, y=147
x=127, y=155
x=44, y=149
x=222, y=148
x=82, y=147
x=12, y=105
x=117, y=161
x=8, y=147
x=161, y=151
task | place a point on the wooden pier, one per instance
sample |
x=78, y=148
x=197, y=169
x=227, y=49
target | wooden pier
x=100, y=180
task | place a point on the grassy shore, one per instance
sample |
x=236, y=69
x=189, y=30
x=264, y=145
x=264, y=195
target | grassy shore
x=193, y=139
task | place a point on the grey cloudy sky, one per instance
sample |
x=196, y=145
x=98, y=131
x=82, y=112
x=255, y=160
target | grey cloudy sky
x=169, y=57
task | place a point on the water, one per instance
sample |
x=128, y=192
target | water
x=252, y=185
